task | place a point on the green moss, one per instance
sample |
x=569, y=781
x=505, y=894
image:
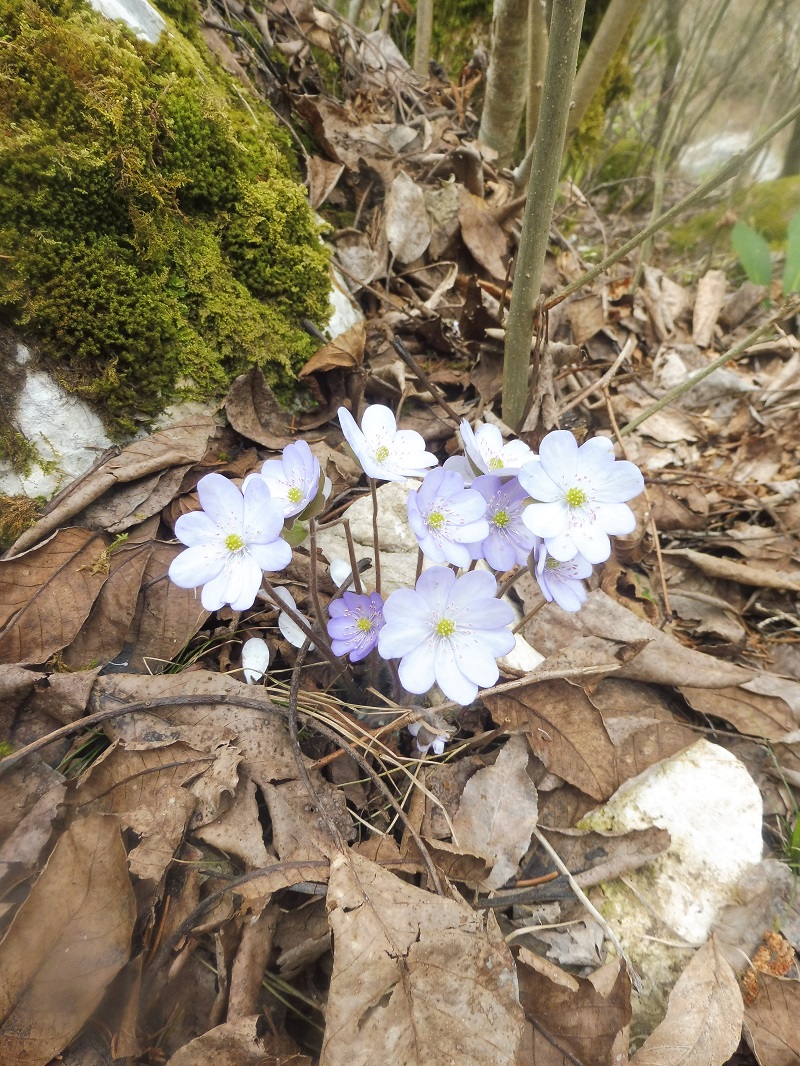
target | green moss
x=17, y=513
x=157, y=239
x=767, y=206
x=17, y=450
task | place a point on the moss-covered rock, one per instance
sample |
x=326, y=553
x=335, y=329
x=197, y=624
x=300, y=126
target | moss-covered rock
x=156, y=239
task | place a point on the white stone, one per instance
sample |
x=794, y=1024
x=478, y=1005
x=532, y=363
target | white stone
x=139, y=15
x=66, y=433
x=710, y=805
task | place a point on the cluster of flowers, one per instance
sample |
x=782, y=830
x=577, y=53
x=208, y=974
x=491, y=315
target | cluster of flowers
x=499, y=503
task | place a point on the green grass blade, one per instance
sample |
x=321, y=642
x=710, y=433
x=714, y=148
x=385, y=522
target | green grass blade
x=753, y=253
x=791, y=271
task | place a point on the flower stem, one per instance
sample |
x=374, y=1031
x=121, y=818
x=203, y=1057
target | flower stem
x=314, y=584
x=351, y=551
x=319, y=639
x=373, y=487
x=420, y=562
x=524, y=621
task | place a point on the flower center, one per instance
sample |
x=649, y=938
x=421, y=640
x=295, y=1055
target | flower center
x=495, y=463
x=233, y=542
x=576, y=497
x=435, y=520
x=294, y=495
x=382, y=454
x=364, y=625
x=501, y=519
x=445, y=627
x=552, y=564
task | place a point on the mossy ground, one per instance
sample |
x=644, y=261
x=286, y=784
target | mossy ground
x=156, y=240
x=767, y=206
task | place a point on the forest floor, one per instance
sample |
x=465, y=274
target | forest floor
x=198, y=870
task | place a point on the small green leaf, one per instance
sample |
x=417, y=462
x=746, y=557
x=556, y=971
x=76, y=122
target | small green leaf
x=753, y=253
x=295, y=534
x=791, y=271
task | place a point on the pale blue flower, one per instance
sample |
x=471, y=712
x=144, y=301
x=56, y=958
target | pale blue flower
x=295, y=480
x=509, y=542
x=580, y=496
x=488, y=453
x=355, y=623
x=231, y=542
x=560, y=581
x=384, y=451
x=449, y=631
x=446, y=517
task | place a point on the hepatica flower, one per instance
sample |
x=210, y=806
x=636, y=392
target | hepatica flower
x=231, y=542
x=355, y=622
x=488, y=453
x=384, y=451
x=447, y=630
x=560, y=581
x=580, y=496
x=446, y=517
x=294, y=480
x=509, y=542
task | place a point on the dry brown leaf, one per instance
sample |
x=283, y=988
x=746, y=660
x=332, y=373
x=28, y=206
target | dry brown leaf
x=254, y=412
x=358, y=257
x=586, y=318
x=730, y=570
x=771, y=1021
x=346, y=351
x=181, y=444
x=585, y=1017
x=763, y=897
x=103, y=634
x=323, y=177
x=145, y=790
x=704, y=1016
x=564, y=729
x=482, y=234
x=408, y=228
x=497, y=813
x=749, y=712
x=662, y=661
x=129, y=504
x=416, y=978
x=66, y=943
x=245, y=1042
x=299, y=830
x=30, y=796
x=166, y=617
x=47, y=593
x=708, y=303
x=238, y=831
x=260, y=734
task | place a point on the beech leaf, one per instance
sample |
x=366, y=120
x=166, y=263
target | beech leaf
x=704, y=1016
x=66, y=943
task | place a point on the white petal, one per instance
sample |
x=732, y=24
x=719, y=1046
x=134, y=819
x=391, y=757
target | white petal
x=222, y=501
x=378, y=424
x=461, y=466
x=197, y=528
x=477, y=585
x=397, y=639
x=622, y=482
x=617, y=519
x=340, y=571
x=475, y=661
x=558, y=454
x=538, y=484
x=453, y=552
x=449, y=678
x=263, y=516
x=197, y=565
x=291, y=630
x=546, y=519
x=435, y=585
x=569, y=594
x=591, y=542
x=273, y=556
x=416, y=668
x=248, y=576
x=255, y=659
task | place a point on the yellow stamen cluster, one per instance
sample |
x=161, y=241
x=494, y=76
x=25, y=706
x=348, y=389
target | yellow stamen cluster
x=295, y=494
x=435, y=520
x=576, y=497
x=364, y=624
x=233, y=542
x=501, y=519
x=382, y=454
x=445, y=627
